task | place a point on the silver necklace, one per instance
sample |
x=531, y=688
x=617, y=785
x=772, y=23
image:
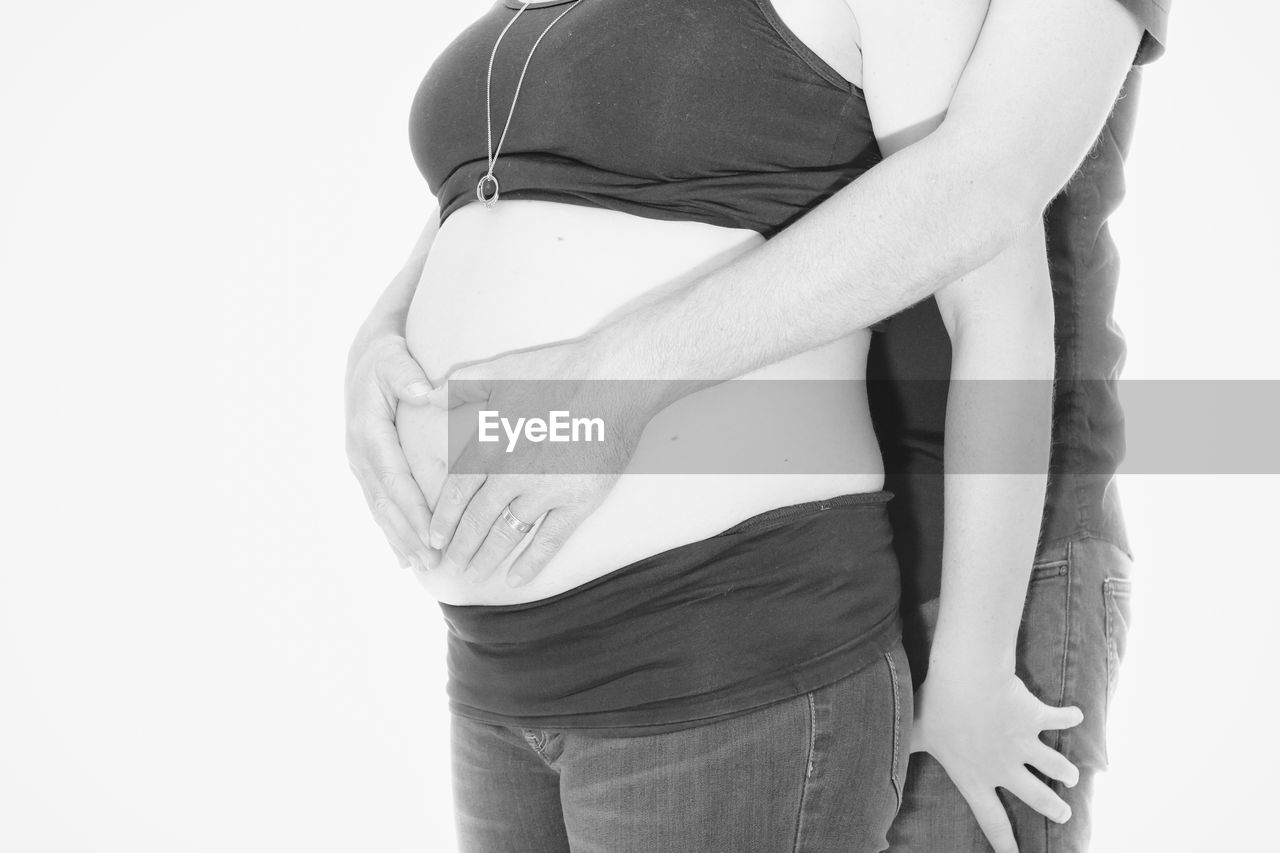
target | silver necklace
x=487, y=189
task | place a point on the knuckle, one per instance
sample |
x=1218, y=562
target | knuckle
x=1001, y=835
x=505, y=535
x=405, y=369
x=370, y=407
x=386, y=351
x=544, y=547
x=470, y=525
x=354, y=450
x=1047, y=804
x=380, y=431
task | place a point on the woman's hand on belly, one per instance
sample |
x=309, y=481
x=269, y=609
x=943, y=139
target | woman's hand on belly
x=540, y=282
x=549, y=486
x=381, y=375
x=807, y=423
x=423, y=435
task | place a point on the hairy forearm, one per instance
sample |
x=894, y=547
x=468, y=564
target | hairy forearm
x=1031, y=100
x=921, y=218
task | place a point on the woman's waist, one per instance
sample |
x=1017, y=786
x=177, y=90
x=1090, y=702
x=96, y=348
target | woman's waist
x=644, y=518
x=715, y=458
x=808, y=548
x=709, y=627
x=744, y=428
x=719, y=456
x=807, y=415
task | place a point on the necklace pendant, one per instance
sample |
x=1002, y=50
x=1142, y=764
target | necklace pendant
x=487, y=190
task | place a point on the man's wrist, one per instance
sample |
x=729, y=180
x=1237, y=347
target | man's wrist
x=642, y=346
x=617, y=383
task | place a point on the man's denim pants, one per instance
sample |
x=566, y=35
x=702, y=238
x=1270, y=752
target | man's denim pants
x=1069, y=652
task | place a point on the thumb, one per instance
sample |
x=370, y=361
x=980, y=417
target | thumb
x=405, y=378
x=459, y=390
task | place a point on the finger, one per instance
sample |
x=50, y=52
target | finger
x=394, y=527
x=992, y=819
x=455, y=493
x=503, y=538
x=384, y=459
x=556, y=528
x=1039, y=796
x=389, y=532
x=402, y=375
x=457, y=391
x=1052, y=718
x=477, y=521
x=400, y=557
x=1053, y=764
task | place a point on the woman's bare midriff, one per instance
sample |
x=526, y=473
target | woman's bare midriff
x=526, y=273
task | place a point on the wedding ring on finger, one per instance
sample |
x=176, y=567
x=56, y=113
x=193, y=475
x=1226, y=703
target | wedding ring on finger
x=511, y=520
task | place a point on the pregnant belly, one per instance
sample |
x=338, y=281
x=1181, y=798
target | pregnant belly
x=527, y=273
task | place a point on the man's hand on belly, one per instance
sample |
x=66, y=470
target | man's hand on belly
x=545, y=449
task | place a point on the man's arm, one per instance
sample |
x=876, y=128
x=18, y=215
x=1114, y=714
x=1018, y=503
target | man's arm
x=1031, y=101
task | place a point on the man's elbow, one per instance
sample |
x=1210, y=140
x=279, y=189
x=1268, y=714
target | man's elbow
x=1017, y=197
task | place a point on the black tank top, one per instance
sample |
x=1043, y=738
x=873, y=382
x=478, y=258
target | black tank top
x=703, y=110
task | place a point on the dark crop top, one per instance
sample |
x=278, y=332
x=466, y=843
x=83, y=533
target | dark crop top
x=703, y=110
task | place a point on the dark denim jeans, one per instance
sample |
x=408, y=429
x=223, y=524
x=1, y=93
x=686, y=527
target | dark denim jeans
x=820, y=772
x=1069, y=651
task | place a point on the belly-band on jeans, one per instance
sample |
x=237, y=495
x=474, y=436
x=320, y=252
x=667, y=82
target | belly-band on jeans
x=785, y=602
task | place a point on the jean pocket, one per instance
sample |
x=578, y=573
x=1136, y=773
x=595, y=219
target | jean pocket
x=1116, y=598
x=1043, y=635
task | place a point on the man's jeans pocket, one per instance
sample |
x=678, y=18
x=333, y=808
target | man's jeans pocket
x=1043, y=640
x=1116, y=593
x=1073, y=637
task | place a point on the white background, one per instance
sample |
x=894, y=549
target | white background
x=204, y=643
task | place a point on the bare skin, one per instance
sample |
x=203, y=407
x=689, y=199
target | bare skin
x=465, y=312
x=947, y=206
